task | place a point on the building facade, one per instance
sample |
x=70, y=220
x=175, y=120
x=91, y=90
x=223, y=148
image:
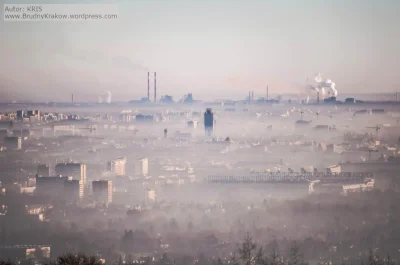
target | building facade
x=43, y=170
x=142, y=167
x=102, y=191
x=75, y=170
x=118, y=166
x=73, y=189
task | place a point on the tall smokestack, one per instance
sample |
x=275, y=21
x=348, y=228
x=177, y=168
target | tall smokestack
x=148, y=85
x=252, y=95
x=72, y=98
x=318, y=97
x=267, y=93
x=155, y=88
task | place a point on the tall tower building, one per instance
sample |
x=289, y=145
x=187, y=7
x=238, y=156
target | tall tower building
x=208, y=121
x=102, y=191
x=142, y=167
x=73, y=189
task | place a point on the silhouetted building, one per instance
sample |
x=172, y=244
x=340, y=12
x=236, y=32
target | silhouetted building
x=53, y=186
x=22, y=133
x=73, y=189
x=20, y=115
x=144, y=118
x=208, y=121
x=166, y=99
x=330, y=100
x=6, y=124
x=13, y=143
x=350, y=100
x=43, y=170
x=102, y=191
x=188, y=98
x=76, y=170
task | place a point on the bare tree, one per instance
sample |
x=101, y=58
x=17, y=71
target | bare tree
x=246, y=251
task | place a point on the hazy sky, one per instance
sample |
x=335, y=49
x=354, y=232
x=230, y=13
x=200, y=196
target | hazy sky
x=213, y=48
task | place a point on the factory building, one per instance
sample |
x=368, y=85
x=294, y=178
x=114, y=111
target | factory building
x=13, y=143
x=118, y=166
x=102, y=191
x=208, y=121
x=75, y=170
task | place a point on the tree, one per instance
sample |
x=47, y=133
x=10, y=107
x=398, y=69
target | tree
x=260, y=259
x=246, y=250
x=76, y=259
x=295, y=257
x=274, y=258
x=8, y=262
x=165, y=260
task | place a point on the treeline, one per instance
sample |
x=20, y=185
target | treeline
x=246, y=253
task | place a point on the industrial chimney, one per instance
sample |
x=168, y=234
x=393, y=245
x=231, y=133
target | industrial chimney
x=318, y=97
x=148, y=85
x=155, y=88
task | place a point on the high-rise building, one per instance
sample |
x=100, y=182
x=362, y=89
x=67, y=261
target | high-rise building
x=20, y=115
x=118, y=166
x=13, y=143
x=142, y=167
x=73, y=189
x=76, y=170
x=208, y=121
x=43, y=170
x=53, y=186
x=102, y=191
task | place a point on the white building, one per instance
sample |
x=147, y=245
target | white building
x=142, y=167
x=118, y=166
x=151, y=195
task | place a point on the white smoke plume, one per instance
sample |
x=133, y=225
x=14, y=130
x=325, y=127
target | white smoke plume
x=325, y=86
x=105, y=97
x=108, y=99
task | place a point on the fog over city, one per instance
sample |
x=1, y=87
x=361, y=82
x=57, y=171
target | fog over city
x=201, y=132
